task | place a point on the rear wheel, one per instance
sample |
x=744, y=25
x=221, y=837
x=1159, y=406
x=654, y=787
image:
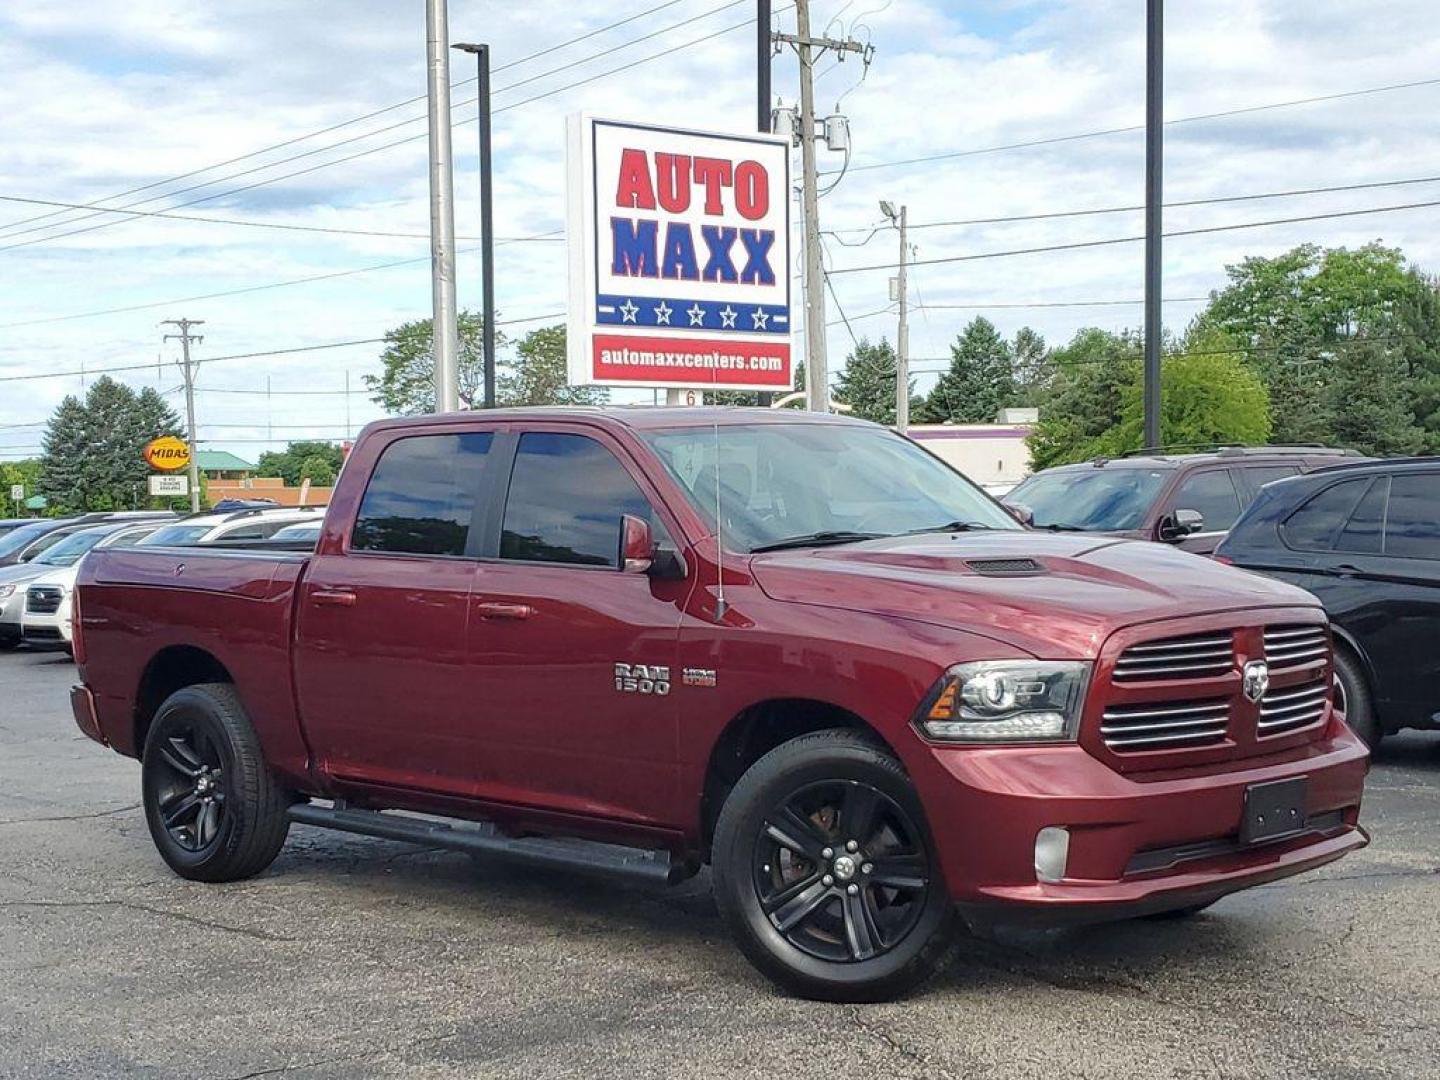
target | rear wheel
x=825, y=872
x=215, y=811
x=1353, y=697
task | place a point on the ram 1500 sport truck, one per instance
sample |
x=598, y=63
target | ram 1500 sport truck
x=797, y=648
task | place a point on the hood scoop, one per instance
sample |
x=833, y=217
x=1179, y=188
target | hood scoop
x=1005, y=567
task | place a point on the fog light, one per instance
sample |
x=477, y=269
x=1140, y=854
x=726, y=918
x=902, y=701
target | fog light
x=1052, y=849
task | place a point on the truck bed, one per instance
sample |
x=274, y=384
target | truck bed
x=140, y=605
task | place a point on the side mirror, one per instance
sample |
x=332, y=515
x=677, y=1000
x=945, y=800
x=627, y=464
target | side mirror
x=1180, y=524
x=1020, y=512
x=637, y=545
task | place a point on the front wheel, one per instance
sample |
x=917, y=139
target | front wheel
x=1353, y=698
x=215, y=811
x=825, y=872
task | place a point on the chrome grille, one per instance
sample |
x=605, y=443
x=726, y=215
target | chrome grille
x=1196, y=656
x=1291, y=708
x=1290, y=646
x=43, y=599
x=1166, y=725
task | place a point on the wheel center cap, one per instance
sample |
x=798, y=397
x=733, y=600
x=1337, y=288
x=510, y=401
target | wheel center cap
x=202, y=785
x=844, y=868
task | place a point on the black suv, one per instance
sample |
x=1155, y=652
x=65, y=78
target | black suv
x=1365, y=539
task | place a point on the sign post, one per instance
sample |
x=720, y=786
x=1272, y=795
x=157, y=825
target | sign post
x=679, y=258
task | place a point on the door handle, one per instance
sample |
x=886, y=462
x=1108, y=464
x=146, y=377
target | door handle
x=490, y=609
x=332, y=598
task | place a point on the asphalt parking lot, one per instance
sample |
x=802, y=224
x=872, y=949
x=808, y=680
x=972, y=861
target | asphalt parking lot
x=353, y=957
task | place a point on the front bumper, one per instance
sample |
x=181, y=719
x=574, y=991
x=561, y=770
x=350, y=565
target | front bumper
x=49, y=631
x=10, y=610
x=1139, y=843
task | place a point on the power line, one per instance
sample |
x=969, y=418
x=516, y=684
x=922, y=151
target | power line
x=1255, y=196
x=165, y=214
x=357, y=138
x=251, y=355
x=354, y=120
x=1135, y=239
x=1004, y=147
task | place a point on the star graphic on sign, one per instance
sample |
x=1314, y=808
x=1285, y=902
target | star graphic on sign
x=662, y=314
x=628, y=310
x=727, y=317
x=761, y=319
x=697, y=315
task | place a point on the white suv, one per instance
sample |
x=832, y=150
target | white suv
x=258, y=523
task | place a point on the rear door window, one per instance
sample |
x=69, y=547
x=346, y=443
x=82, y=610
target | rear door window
x=422, y=495
x=1364, y=532
x=1315, y=526
x=1260, y=475
x=1213, y=494
x=1412, y=526
x=567, y=493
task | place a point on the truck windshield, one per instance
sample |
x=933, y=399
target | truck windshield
x=1099, y=500
x=784, y=484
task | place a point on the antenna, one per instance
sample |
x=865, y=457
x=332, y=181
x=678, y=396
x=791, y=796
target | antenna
x=720, y=606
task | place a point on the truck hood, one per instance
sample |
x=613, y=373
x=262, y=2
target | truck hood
x=1062, y=600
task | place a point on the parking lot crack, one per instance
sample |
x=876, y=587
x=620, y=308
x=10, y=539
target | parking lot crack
x=194, y=920
x=890, y=1040
x=72, y=817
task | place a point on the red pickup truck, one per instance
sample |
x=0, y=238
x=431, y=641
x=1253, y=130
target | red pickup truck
x=797, y=648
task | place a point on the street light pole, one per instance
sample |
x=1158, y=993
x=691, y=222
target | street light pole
x=1154, y=159
x=444, y=319
x=487, y=232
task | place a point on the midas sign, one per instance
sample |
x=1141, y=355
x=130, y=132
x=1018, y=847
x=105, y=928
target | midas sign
x=168, y=453
x=679, y=256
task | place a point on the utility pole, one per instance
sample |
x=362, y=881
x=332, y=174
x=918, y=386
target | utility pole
x=1154, y=158
x=817, y=375
x=185, y=337
x=487, y=238
x=763, y=47
x=445, y=343
x=902, y=337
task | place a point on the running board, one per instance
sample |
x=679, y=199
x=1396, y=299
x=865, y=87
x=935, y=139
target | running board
x=482, y=838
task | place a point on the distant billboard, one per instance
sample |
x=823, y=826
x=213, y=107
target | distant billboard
x=679, y=257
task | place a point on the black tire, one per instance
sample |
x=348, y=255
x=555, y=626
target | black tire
x=1352, y=693
x=870, y=944
x=8, y=644
x=215, y=811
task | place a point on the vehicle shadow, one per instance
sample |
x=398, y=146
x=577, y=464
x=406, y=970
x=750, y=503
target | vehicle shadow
x=1409, y=750
x=1109, y=958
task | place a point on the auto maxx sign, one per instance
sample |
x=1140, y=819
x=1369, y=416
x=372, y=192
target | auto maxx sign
x=679, y=257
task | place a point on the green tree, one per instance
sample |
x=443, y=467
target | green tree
x=406, y=383
x=1031, y=361
x=1297, y=314
x=93, y=456
x=538, y=375
x=1208, y=396
x=1369, y=401
x=310, y=457
x=980, y=382
x=867, y=383
x=1085, y=395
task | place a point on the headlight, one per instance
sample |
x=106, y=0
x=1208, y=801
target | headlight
x=6, y=591
x=1000, y=701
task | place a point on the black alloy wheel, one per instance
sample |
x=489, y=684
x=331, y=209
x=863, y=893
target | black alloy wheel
x=190, y=789
x=841, y=871
x=825, y=871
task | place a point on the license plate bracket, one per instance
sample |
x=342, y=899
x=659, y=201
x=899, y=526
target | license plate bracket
x=1273, y=810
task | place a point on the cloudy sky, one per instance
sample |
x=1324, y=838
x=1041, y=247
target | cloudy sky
x=154, y=104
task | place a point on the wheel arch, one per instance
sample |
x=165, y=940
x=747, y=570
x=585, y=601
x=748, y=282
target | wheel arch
x=756, y=730
x=172, y=668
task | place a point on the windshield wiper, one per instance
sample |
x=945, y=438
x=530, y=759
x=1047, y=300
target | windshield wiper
x=817, y=539
x=949, y=527
x=1062, y=527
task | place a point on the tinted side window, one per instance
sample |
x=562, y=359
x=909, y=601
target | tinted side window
x=1213, y=494
x=1315, y=525
x=1364, y=531
x=567, y=493
x=1412, y=527
x=1260, y=475
x=422, y=495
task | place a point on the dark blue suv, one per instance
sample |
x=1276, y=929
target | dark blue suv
x=1365, y=539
